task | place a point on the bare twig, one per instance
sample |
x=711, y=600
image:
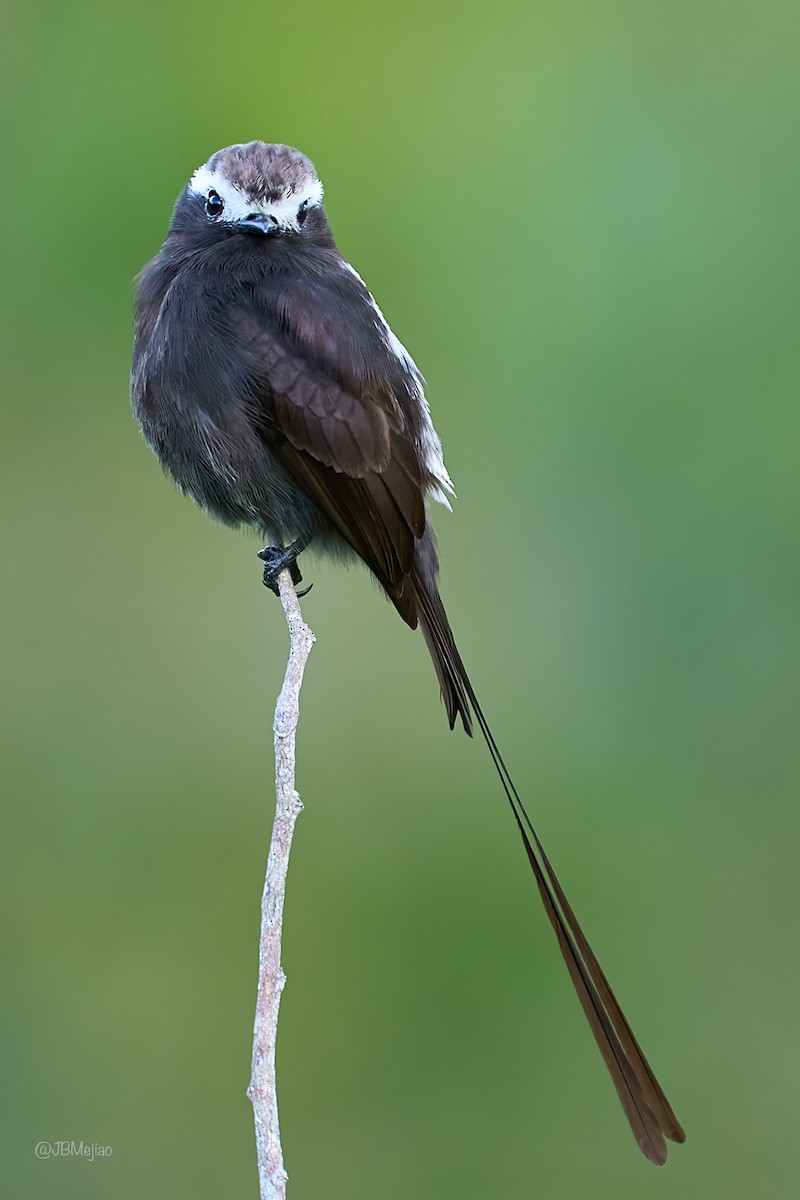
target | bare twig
x=271, y=979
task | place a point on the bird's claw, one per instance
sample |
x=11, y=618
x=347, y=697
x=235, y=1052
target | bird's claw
x=281, y=558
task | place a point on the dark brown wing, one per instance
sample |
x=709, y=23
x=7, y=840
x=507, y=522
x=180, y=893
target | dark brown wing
x=341, y=410
x=381, y=515
x=340, y=429
x=346, y=428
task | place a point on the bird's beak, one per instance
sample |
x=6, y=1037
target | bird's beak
x=257, y=222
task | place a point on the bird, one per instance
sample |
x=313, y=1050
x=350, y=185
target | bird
x=271, y=388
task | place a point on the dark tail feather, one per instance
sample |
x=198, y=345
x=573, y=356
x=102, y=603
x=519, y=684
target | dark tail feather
x=449, y=668
x=646, y=1107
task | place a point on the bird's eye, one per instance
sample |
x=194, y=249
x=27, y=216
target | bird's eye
x=214, y=204
x=302, y=212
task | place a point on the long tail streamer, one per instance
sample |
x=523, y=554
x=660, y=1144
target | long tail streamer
x=646, y=1107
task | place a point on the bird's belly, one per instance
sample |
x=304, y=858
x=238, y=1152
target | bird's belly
x=222, y=463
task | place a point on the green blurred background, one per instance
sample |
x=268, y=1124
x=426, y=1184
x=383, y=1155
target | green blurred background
x=582, y=219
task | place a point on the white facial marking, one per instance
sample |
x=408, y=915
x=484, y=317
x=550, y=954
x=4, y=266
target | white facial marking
x=429, y=444
x=238, y=206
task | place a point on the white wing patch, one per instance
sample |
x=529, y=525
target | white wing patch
x=429, y=443
x=238, y=205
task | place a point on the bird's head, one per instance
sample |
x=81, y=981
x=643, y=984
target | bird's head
x=257, y=189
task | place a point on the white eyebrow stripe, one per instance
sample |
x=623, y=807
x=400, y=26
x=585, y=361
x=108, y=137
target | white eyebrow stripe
x=238, y=205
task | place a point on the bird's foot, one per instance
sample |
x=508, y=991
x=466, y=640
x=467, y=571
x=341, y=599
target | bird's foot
x=282, y=558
